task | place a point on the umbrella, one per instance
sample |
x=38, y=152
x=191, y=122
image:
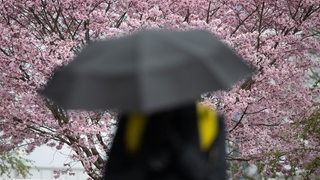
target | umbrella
x=146, y=71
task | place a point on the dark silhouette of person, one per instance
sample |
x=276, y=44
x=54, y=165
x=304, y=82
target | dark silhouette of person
x=185, y=143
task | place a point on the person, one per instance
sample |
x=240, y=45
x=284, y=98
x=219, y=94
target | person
x=187, y=143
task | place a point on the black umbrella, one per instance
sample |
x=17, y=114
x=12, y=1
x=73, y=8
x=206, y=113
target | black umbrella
x=146, y=71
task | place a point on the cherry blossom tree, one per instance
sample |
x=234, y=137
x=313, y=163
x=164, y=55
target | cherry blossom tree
x=264, y=113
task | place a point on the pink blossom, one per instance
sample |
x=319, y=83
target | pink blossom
x=275, y=36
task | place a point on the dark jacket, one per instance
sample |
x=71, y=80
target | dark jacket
x=166, y=146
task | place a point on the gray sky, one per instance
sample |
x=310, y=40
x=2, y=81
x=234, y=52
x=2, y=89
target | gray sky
x=45, y=156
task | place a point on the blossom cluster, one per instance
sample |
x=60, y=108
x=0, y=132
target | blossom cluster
x=280, y=38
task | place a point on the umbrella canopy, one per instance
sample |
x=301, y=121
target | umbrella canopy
x=146, y=71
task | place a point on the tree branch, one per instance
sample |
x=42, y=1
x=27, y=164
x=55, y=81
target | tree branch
x=262, y=124
x=120, y=20
x=241, y=22
x=238, y=123
x=208, y=12
x=260, y=25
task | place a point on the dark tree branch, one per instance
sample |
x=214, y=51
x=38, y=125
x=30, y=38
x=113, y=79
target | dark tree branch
x=242, y=116
x=4, y=52
x=241, y=22
x=120, y=20
x=260, y=26
x=262, y=124
x=187, y=17
x=208, y=12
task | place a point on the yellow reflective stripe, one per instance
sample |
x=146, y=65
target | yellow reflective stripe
x=207, y=126
x=134, y=131
x=207, y=129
